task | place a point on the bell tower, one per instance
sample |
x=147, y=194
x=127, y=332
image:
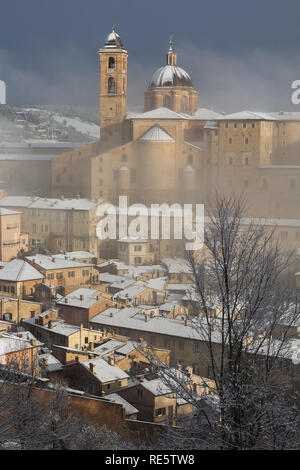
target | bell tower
x=113, y=81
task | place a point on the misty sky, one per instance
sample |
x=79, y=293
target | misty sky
x=240, y=53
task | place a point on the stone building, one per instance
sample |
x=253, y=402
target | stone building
x=177, y=152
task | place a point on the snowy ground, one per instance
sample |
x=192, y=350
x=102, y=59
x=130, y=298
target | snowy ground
x=87, y=128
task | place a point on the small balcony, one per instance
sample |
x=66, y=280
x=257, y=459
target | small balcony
x=9, y=226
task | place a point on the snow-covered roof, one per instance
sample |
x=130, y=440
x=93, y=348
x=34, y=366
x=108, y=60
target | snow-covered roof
x=19, y=270
x=74, y=255
x=158, y=283
x=108, y=347
x=49, y=262
x=4, y=211
x=48, y=203
x=156, y=387
x=170, y=75
x=211, y=125
x=156, y=134
x=89, y=298
x=52, y=364
x=158, y=113
x=115, y=398
x=204, y=114
x=261, y=116
x=26, y=157
x=130, y=318
x=12, y=342
x=58, y=327
x=104, y=371
x=130, y=292
x=177, y=265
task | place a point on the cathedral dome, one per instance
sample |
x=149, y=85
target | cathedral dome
x=113, y=40
x=170, y=75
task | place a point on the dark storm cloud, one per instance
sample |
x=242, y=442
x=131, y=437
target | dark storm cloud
x=240, y=53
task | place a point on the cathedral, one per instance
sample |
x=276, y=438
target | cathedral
x=175, y=151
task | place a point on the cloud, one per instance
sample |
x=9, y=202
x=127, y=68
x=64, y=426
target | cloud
x=226, y=82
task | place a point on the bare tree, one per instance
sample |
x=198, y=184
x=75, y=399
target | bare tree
x=244, y=310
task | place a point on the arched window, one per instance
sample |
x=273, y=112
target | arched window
x=190, y=159
x=111, y=88
x=167, y=102
x=183, y=104
x=111, y=63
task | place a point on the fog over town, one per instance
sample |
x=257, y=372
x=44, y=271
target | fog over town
x=149, y=228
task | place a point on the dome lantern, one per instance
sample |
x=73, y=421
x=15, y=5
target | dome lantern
x=171, y=54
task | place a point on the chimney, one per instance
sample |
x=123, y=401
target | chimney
x=33, y=342
x=77, y=358
x=91, y=346
x=62, y=197
x=66, y=300
x=186, y=322
x=147, y=318
x=92, y=367
x=111, y=361
x=81, y=297
x=213, y=327
x=50, y=325
x=46, y=362
x=78, y=196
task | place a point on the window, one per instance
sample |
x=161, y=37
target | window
x=253, y=125
x=111, y=85
x=284, y=235
x=183, y=104
x=190, y=159
x=167, y=102
x=181, y=344
x=230, y=140
x=57, y=178
x=292, y=184
x=116, y=175
x=230, y=161
x=264, y=184
x=71, y=274
x=246, y=161
x=132, y=175
x=140, y=392
x=44, y=228
x=137, y=260
x=124, y=158
x=111, y=63
x=33, y=228
x=160, y=411
x=59, y=275
x=100, y=182
x=195, y=347
x=137, y=248
x=50, y=276
x=246, y=140
x=244, y=125
x=226, y=125
x=85, y=272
